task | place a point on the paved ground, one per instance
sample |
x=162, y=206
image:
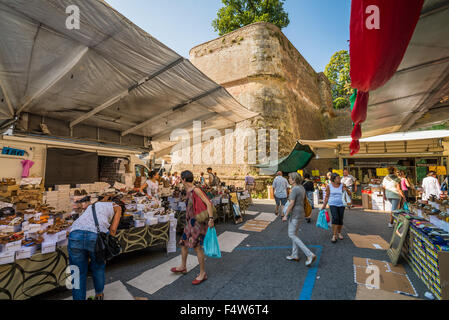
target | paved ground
x=257, y=268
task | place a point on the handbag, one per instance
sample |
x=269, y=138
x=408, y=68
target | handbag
x=307, y=207
x=107, y=246
x=210, y=244
x=200, y=209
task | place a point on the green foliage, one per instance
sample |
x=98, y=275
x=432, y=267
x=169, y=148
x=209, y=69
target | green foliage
x=239, y=13
x=337, y=71
x=341, y=103
x=442, y=126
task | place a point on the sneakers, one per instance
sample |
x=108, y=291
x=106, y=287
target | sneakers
x=310, y=260
x=390, y=225
x=290, y=258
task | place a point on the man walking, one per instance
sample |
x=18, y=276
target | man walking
x=280, y=185
x=212, y=180
x=431, y=186
x=349, y=181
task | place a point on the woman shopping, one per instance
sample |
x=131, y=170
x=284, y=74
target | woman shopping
x=295, y=211
x=194, y=231
x=334, y=197
x=82, y=241
x=153, y=185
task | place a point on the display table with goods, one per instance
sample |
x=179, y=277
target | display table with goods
x=34, y=231
x=426, y=246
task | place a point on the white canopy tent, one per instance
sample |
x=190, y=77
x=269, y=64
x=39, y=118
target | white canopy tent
x=419, y=91
x=108, y=74
x=399, y=143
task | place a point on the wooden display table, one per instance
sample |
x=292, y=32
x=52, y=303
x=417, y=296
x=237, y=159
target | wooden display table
x=26, y=278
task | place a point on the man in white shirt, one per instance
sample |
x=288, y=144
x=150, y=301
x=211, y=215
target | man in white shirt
x=431, y=186
x=349, y=182
x=280, y=186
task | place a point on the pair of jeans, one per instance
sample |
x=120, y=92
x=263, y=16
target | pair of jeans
x=293, y=225
x=81, y=247
x=394, y=204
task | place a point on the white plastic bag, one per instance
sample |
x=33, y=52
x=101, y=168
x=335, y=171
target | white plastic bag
x=347, y=202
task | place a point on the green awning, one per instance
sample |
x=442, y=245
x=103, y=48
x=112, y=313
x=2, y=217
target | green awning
x=298, y=159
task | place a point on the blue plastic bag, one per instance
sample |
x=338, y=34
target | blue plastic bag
x=211, y=247
x=321, y=222
x=405, y=207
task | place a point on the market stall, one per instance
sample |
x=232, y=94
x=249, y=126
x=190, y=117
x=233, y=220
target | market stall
x=34, y=225
x=426, y=245
x=416, y=153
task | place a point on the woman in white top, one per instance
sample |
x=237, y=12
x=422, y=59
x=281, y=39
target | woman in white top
x=334, y=196
x=82, y=241
x=153, y=185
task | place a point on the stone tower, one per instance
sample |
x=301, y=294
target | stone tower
x=259, y=66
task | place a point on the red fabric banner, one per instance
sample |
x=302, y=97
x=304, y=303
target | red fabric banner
x=380, y=32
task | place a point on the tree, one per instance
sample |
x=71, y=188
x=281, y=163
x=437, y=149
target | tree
x=337, y=71
x=239, y=13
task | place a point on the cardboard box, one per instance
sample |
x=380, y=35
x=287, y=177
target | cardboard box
x=48, y=247
x=63, y=243
x=11, y=246
x=26, y=252
x=7, y=257
x=139, y=223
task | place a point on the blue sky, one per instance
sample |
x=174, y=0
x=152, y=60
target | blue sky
x=318, y=28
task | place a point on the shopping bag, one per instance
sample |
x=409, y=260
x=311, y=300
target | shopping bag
x=284, y=211
x=211, y=246
x=346, y=199
x=321, y=222
x=328, y=219
x=406, y=207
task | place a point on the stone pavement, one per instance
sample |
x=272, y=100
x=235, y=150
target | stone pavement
x=253, y=265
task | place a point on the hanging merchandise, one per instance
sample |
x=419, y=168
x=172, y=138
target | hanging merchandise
x=380, y=32
x=26, y=164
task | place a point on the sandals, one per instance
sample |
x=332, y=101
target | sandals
x=197, y=282
x=182, y=271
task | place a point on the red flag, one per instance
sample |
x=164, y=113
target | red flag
x=380, y=32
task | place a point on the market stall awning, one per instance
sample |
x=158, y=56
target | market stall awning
x=399, y=142
x=108, y=74
x=421, y=82
x=298, y=159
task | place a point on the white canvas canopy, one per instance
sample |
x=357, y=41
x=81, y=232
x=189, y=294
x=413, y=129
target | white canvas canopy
x=420, y=87
x=417, y=142
x=107, y=74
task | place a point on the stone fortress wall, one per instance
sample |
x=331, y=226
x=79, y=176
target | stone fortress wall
x=260, y=67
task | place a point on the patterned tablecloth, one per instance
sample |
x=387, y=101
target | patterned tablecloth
x=43, y=272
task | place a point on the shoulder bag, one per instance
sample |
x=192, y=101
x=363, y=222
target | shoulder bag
x=107, y=246
x=200, y=209
x=307, y=207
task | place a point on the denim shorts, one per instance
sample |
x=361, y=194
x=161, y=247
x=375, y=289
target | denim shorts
x=280, y=201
